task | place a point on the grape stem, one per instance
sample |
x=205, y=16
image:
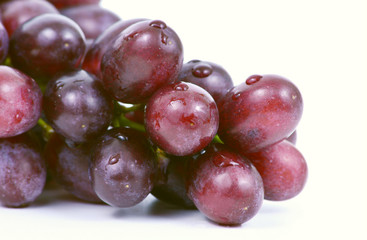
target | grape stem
x=47, y=130
x=123, y=121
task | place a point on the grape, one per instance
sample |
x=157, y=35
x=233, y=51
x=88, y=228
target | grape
x=293, y=138
x=181, y=118
x=123, y=167
x=22, y=171
x=20, y=101
x=170, y=185
x=4, y=43
x=70, y=3
x=145, y=56
x=283, y=170
x=210, y=76
x=136, y=116
x=69, y=166
x=92, y=19
x=46, y=45
x=15, y=13
x=77, y=106
x=225, y=186
x=93, y=58
x=259, y=112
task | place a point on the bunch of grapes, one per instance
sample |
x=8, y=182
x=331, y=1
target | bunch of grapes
x=108, y=109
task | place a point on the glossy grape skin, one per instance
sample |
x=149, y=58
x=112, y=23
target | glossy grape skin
x=181, y=118
x=123, y=167
x=69, y=166
x=46, y=45
x=59, y=4
x=170, y=184
x=259, y=112
x=22, y=171
x=225, y=186
x=77, y=106
x=20, y=101
x=145, y=56
x=15, y=13
x=4, y=43
x=208, y=75
x=93, y=58
x=92, y=19
x=283, y=170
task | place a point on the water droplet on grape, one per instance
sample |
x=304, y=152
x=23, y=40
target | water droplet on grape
x=223, y=161
x=164, y=38
x=158, y=24
x=114, y=159
x=202, y=70
x=253, y=79
x=194, y=61
x=181, y=87
x=131, y=36
x=235, y=96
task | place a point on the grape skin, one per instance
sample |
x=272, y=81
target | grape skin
x=20, y=101
x=22, y=171
x=181, y=118
x=4, y=43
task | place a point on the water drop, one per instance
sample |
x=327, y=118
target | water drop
x=253, y=79
x=114, y=159
x=194, y=61
x=223, y=161
x=235, y=96
x=181, y=87
x=158, y=24
x=202, y=70
x=164, y=38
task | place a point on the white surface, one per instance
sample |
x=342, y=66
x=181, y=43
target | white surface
x=322, y=47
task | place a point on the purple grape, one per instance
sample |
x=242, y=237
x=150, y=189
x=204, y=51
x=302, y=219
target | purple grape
x=225, y=187
x=283, y=170
x=69, y=166
x=170, y=185
x=22, y=171
x=259, y=112
x=46, y=45
x=20, y=101
x=123, y=167
x=15, y=13
x=92, y=19
x=145, y=56
x=210, y=76
x=4, y=43
x=93, y=58
x=77, y=106
x=181, y=118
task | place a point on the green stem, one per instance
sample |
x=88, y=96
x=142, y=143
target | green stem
x=123, y=121
x=217, y=140
x=47, y=129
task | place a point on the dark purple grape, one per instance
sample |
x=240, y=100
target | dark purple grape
x=22, y=171
x=210, y=76
x=170, y=184
x=283, y=170
x=4, y=43
x=15, y=13
x=46, y=45
x=92, y=19
x=69, y=165
x=123, y=167
x=181, y=118
x=292, y=138
x=225, y=187
x=93, y=58
x=145, y=56
x=70, y=3
x=259, y=112
x=20, y=101
x=77, y=106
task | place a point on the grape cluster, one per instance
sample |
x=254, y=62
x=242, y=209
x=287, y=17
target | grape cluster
x=108, y=109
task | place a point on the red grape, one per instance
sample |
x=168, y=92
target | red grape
x=259, y=112
x=22, y=171
x=145, y=56
x=70, y=3
x=225, y=187
x=20, y=101
x=283, y=170
x=181, y=118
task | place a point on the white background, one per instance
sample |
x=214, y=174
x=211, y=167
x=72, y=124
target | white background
x=322, y=47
